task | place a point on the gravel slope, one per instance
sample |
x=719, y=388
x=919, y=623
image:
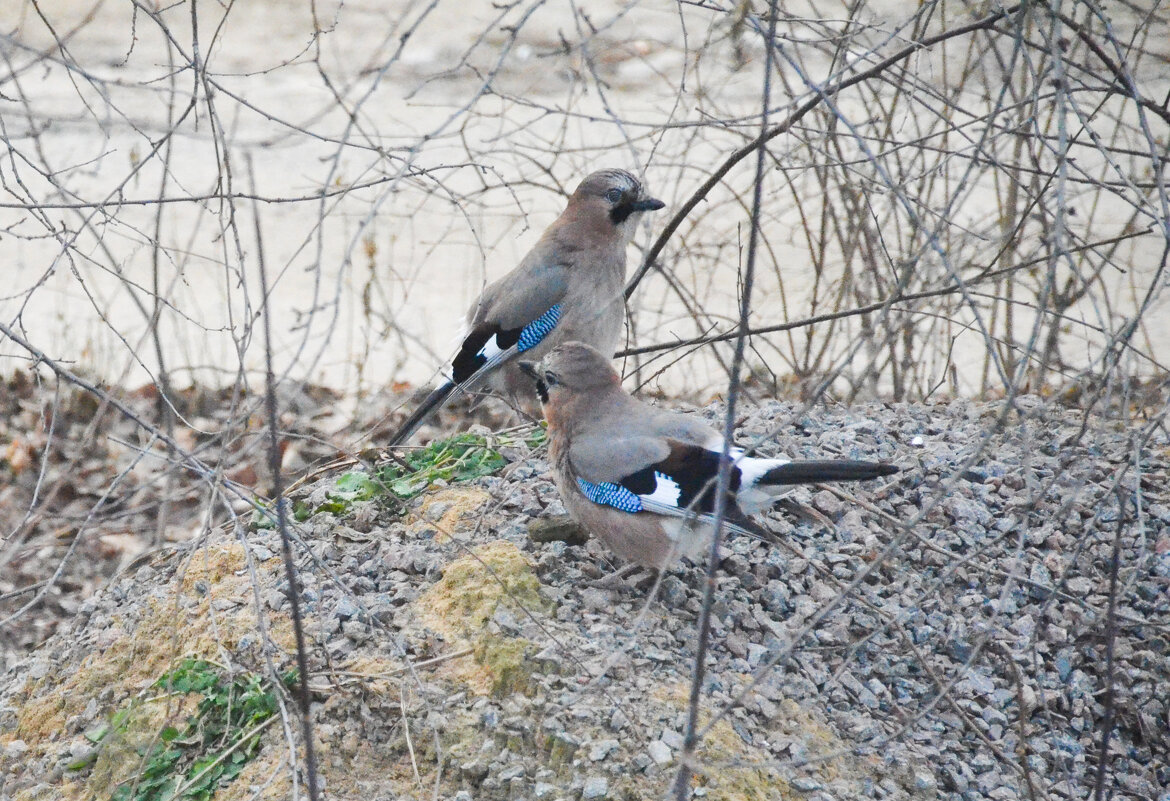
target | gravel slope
x=968, y=659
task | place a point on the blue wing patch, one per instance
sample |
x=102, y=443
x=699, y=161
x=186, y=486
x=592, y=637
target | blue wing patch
x=487, y=341
x=609, y=494
x=538, y=329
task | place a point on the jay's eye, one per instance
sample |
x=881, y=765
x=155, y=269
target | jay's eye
x=550, y=378
x=613, y=195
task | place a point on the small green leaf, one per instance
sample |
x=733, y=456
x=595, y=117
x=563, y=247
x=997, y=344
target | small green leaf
x=406, y=487
x=97, y=733
x=333, y=507
x=355, y=486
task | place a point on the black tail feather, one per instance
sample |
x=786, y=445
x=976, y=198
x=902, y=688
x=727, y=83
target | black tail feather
x=828, y=470
x=737, y=518
x=433, y=402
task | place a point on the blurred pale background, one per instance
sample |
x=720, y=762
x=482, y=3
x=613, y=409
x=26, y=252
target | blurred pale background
x=391, y=157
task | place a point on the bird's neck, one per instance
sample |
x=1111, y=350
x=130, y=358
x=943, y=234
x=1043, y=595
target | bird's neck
x=581, y=412
x=590, y=233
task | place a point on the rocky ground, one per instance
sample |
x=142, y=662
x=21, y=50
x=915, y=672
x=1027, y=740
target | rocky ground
x=84, y=491
x=942, y=634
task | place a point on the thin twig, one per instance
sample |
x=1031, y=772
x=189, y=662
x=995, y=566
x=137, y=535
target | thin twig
x=406, y=732
x=290, y=569
x=722, y=484
x=387, y=674
x=719, y=172
x=1107, y=722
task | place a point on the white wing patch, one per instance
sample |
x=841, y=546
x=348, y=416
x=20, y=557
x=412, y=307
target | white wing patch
x=666, y=491
x=491, y=349
x=492, y=355
x=752, y=469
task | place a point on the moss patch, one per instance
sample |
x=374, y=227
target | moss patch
x=148, y=640
x=139, y=651
x=727, y=781
x=474, y=586
x=211, y=568
x=460, y=605
x=506, y=661
x=455, y=508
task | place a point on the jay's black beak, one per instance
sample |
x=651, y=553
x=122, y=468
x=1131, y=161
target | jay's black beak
x=529, y=369
x=619, y=214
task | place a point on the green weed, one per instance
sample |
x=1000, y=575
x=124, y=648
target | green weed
x=460, y=458
x=218, y=740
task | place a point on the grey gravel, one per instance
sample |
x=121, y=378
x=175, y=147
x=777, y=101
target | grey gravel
x=601, y=750
x=660, y=752
x=672, y=739
x=806, y=785
x=997, y=592
x=595, y=787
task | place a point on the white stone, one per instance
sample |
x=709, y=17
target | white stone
x=660, y=752
x=595, y=787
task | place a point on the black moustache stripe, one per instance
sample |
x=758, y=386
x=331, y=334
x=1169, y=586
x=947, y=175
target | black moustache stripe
x=619, y=214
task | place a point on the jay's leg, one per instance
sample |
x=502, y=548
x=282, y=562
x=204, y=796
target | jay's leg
x=617, y=579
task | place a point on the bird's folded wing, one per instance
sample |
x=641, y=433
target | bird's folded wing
x=649, y=473
x=487, y=346
x=610, y=456
x=523, y=295
x=513, y=316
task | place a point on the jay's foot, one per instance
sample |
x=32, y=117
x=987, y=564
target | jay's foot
x=617, y=582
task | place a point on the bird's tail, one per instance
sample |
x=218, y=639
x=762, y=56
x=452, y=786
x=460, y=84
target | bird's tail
x=425, y=409
x=809, y=472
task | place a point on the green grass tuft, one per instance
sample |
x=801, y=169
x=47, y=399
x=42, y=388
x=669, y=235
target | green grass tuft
x=211, y=750
x=459, y=458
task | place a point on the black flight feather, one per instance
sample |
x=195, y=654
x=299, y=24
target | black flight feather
x=469, y=359
x=830, y=470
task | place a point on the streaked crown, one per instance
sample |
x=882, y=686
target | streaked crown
x=578, y=366
x=602, y=182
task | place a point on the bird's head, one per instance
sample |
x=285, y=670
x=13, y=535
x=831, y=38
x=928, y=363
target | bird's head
x=617, y=196
x=569, y=372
